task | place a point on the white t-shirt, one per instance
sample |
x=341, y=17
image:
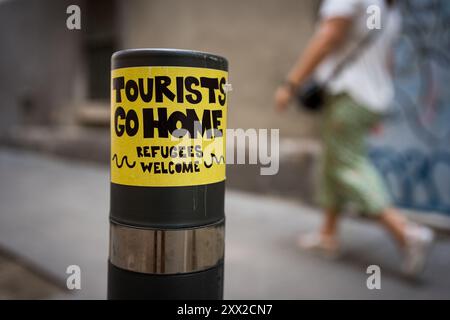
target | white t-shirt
x=366, y=79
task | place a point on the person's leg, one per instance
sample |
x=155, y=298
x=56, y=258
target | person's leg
x=328, y=193
x=365, y=188
x=395, y=223
x=415, y=240
x=330, y=223
x=326, y=239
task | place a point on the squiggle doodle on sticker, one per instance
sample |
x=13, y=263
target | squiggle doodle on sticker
x=124, y=159
x=214, y=158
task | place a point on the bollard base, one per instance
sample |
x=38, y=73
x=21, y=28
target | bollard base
x=203, y=285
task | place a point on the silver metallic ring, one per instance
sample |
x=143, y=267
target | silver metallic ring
x=166, y=251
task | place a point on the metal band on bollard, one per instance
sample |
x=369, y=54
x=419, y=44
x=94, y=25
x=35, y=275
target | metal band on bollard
x=166, y=251
x=168, y=122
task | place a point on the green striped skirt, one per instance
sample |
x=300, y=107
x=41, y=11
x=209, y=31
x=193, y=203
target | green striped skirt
x=347, y=175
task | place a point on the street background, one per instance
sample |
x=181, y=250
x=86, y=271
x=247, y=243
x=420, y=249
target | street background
x=66, y=223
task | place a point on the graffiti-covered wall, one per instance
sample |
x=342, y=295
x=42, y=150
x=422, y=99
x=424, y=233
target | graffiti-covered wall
x=413, y=153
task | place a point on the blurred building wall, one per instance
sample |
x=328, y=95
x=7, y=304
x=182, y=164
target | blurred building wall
x=261, y=40
x=40, y=62
x=51, y=69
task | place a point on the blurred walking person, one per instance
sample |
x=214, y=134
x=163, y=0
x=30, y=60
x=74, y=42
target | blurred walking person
x=357, y=95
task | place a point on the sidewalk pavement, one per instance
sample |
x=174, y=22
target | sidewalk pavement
x=54, y=213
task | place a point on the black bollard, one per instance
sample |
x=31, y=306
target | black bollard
x=168, y=122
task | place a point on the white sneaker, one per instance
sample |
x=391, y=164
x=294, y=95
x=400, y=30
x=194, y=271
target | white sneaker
x=327, y=246
x=418, y=242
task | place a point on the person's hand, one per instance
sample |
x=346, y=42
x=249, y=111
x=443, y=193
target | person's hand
x=283, y=96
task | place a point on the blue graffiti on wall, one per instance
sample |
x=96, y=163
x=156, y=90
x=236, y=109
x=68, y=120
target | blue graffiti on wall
x=415, y=158
x=414, y=178
x=422, y=69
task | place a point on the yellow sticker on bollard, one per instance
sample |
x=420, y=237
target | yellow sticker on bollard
x=168, y=126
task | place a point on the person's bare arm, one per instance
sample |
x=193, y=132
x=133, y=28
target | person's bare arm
x=328, y=37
